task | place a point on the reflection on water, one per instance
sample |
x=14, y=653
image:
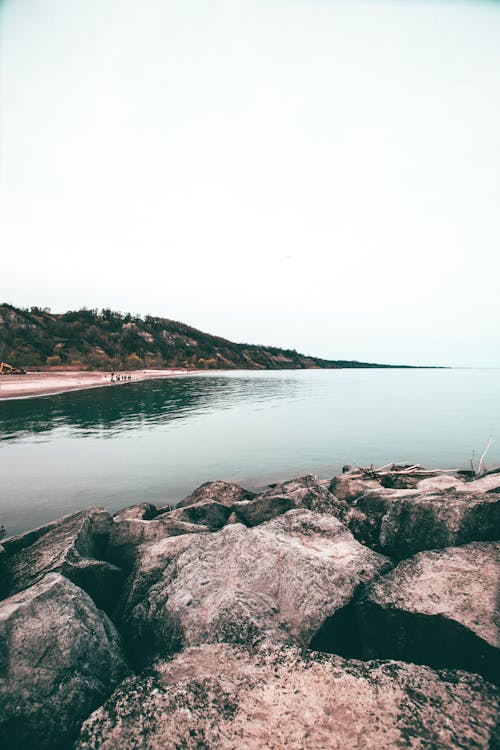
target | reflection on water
x=160, y=439
x=104, y=412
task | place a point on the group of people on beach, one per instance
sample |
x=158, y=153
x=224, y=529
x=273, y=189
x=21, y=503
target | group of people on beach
x=117, y=377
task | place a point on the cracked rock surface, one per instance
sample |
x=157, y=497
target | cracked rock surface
x=225, y=697
x=279, y=580
x=400, y=523
x=226, y=493
x=60, y=658
x=74, y=546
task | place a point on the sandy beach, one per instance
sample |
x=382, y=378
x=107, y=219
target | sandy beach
x=48, y=383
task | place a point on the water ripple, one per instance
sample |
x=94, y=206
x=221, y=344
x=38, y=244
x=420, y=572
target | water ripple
x=109, y=411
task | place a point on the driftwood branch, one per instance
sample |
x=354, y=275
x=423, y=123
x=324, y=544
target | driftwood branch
x=417, y=471
x=370, y=472
x=481, y=467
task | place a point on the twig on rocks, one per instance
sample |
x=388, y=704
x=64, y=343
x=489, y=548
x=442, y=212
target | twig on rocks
x=481, y=469
x=415, y=470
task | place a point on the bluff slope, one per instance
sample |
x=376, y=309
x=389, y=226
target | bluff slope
x=107, y=340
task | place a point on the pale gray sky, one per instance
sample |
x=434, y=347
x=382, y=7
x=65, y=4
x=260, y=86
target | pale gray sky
x=315, y=174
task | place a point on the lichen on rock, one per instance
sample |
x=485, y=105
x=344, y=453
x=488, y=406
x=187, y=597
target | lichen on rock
x=226, y=697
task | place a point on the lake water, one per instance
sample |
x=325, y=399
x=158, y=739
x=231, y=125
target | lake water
x=158, y=440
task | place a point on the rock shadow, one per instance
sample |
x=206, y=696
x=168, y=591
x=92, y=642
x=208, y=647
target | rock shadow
x=365, y=631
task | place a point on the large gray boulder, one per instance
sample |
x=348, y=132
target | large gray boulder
x=279, y=580
x=60, y=658
x=306, y=492
x=150, y=564
x=222, y=697
x=226, y=493
x=140, y=512
x=127, y=535
x=347, y=487
x=74, y=546
x=204, y=505
x=261, y=509
x=302, y=492
x=207, y=513
x=440, y=608
x=400, y=523
x=100, y=521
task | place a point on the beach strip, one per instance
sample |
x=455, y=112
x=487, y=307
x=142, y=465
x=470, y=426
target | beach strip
x=50, y=383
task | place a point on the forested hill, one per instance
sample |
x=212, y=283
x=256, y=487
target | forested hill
x=107, y=340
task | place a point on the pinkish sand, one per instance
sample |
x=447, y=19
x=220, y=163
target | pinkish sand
x=47, y=383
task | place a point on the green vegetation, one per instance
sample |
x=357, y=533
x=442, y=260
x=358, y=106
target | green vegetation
x=107, y=340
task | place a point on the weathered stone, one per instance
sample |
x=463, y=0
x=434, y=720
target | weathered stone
x=438, y=521
x=399, y=481
x=489, y=483
x=347, y=488
x=73, y=546
x=226, y=493
x=440, y=483
x=303, y=492
x=439, y=608
x=307, y=492
x=401, y=523
x=263, y=508
x=101, y=522
x=150, y=565
x=140, y=512
x=279, y=580
x=126, y=536
x=208, y=513
x=222, y=697
x=363, y=516
x=60, y=658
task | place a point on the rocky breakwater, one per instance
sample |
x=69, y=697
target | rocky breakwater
x=338, y=614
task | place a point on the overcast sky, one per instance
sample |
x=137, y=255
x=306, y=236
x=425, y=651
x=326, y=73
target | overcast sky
x=316, y=174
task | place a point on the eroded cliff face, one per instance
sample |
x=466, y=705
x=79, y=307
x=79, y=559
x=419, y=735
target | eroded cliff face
x=216, y=613
x=109, y=340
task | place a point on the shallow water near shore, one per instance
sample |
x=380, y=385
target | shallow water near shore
x=158, y=440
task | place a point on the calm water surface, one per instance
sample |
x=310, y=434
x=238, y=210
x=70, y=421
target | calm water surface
x=158, y=440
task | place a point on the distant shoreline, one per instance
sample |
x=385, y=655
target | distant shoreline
x=34, y=384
